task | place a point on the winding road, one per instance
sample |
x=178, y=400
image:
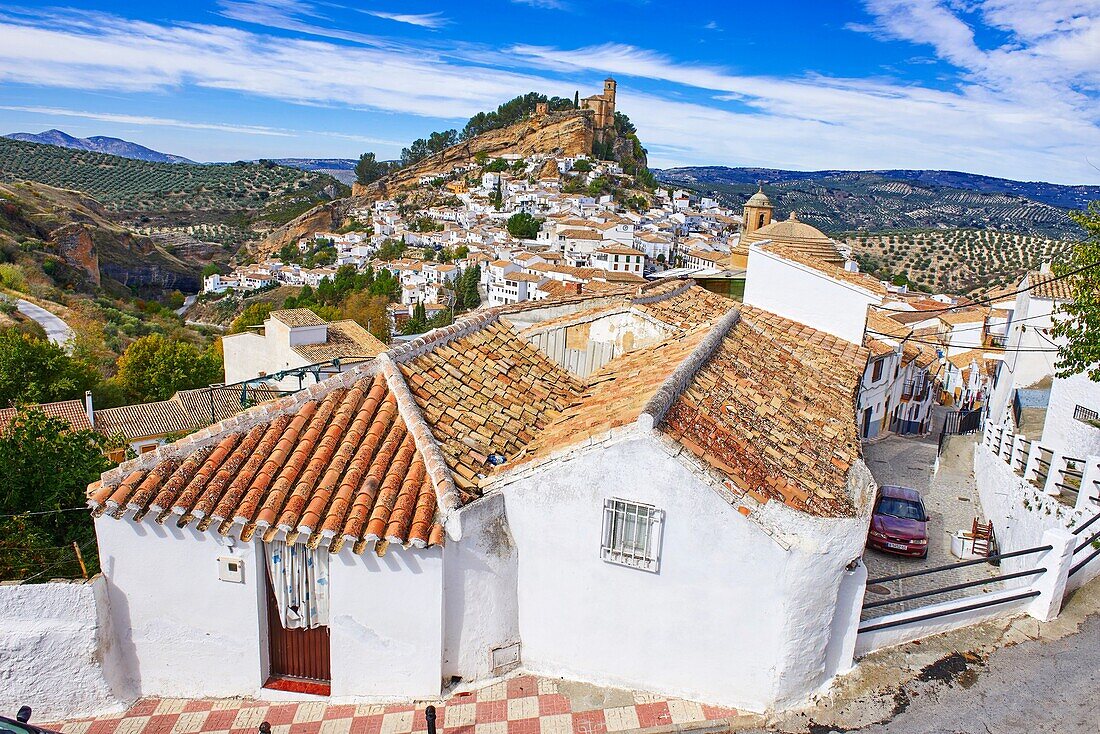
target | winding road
x=57, y=330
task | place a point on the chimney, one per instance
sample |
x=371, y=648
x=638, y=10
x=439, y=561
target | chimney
x=851, y=266
x=88, y=407
x=1045, y=267
x=573, y=289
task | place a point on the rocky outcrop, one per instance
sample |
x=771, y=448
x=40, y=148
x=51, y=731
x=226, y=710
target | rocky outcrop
x=555, y=133
x=77, y=244
x=321, y=218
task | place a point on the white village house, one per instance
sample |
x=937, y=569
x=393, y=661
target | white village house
x=291, y=339
x=428, y=502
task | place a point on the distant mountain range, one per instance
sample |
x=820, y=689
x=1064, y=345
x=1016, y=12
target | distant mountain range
x=100, y=144
x=341, y=169
x=845, y=201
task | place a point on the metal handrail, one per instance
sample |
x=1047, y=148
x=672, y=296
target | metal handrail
x=1085, y=562
x=946, y=612
x=961, y=564
x=1093, y=539
x=1080, y=528
x=955, y=587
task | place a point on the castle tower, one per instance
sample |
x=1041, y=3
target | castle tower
x=758, y=212
x=542, y=109
x=609, y=95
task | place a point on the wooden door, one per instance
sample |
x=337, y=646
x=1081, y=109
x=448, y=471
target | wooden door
x=296, y=653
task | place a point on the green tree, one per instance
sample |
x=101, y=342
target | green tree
x=1079, y=322
x=577, y=99
x=418, y=322
x=523, y=226
x=34, y=370
x=370, y=312
x=369, y=169
x=211, y=269
x=582, y=166
x=47, y=466
x=154, y=367
x=254, y=314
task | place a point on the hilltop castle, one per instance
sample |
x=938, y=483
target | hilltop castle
x=602, y=104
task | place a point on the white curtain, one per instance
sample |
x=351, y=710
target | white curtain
x=299, y=578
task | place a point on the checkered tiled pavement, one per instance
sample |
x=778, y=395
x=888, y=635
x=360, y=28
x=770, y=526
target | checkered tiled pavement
x=520, y=705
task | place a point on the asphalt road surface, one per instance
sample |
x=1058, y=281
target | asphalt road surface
x=56, y=329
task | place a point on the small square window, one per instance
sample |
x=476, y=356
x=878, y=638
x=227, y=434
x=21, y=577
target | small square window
x=632, y=534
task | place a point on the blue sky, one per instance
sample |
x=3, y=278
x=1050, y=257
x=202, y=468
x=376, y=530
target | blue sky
x=1001, y=87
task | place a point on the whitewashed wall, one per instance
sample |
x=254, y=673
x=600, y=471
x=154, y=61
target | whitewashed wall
x=57, y=651
x=480, y=585
x=732, y=617
x=807, y=296
x=1020, y=514
x=182, y=632
x=1061, y=432
x=1025, y=359
x=386, y=619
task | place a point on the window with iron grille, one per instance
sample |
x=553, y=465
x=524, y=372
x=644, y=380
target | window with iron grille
x=631, y=534
x=1082, y=413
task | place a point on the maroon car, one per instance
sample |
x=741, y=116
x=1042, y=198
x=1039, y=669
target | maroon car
x=899, y=523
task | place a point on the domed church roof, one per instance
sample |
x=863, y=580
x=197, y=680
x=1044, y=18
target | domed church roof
x=797, y=236
x=759, y=199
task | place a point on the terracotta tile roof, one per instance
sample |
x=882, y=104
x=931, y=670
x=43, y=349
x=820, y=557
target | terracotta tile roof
x=339, y=462
x=778, y=424
x=863, y=280
x=1049, y=286
x=619, y=276
x=297, y=317
x=72, y=411
x=527, y=277
x=161, y=418
x=186, y=411
x=580, y=234
x=345, y=339
x=488, y=393
x=690, y=307
x=965, y=316
x=616, y=249
x=615, y=395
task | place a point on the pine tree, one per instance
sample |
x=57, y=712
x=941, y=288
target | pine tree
x=577, y=100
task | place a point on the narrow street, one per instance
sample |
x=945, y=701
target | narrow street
x=951, y=500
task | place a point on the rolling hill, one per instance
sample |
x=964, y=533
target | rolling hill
x=224, y=203
x=99, y=144
x=876, y=201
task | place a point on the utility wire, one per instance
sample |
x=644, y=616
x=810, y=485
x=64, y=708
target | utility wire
x=46, y=512
x=982, y=301
x=941, y=344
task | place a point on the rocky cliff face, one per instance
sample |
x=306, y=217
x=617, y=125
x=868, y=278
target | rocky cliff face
x=70, y=235
x=321, y=218
x=556, y=133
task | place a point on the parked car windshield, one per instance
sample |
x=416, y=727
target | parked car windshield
x=10, y=727
x=897, y=507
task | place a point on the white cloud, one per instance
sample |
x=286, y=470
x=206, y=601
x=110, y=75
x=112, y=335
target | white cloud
x=1037, y=128
x=423, y=20
x=830, y=122
x=145, y=120
x=148, y=121
x=544, y=4
x=111, y=53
